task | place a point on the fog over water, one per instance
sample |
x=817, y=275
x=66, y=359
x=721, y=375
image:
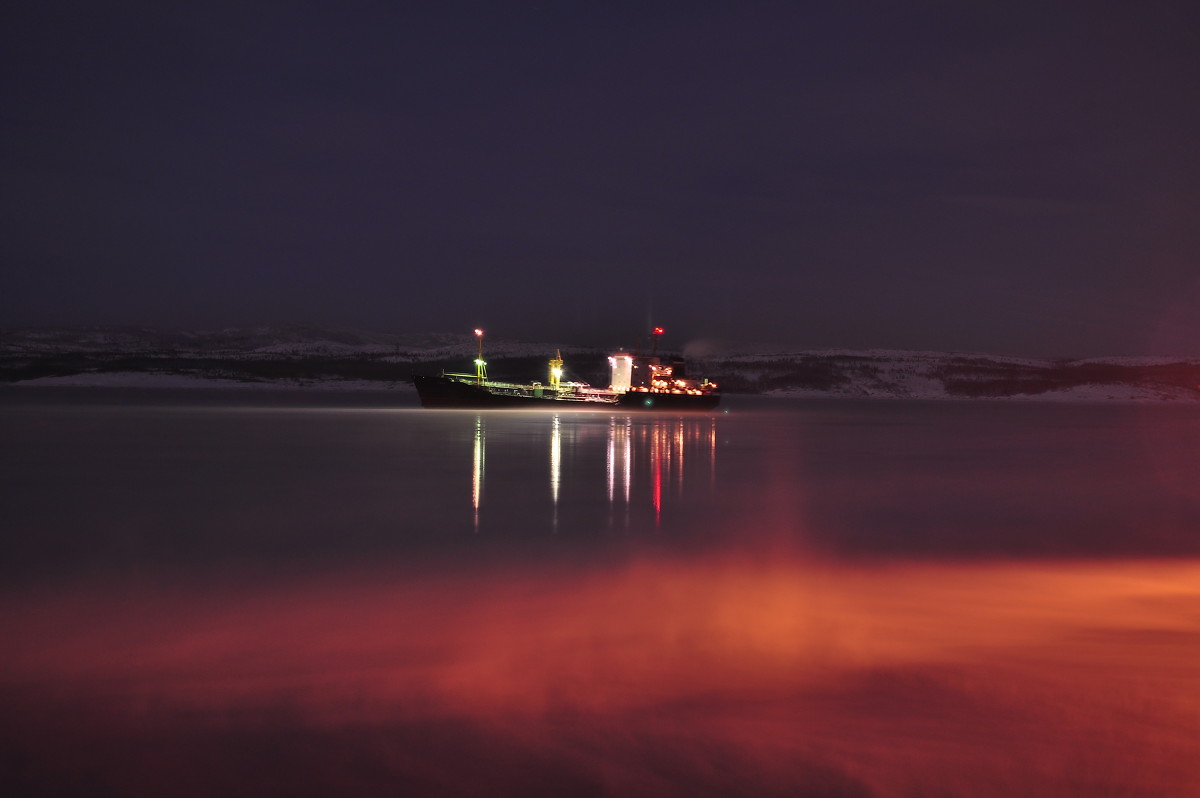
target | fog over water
x=274, y=596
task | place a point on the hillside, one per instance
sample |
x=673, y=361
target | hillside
x=950, y=375
x=306, y=355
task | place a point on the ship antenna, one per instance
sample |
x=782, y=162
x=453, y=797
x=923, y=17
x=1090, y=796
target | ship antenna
x=655, y=334
x=480, y=365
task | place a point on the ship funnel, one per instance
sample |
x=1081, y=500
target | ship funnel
x=621, y=368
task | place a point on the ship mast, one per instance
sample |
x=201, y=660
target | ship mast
x=655, y=334
x=480, y=365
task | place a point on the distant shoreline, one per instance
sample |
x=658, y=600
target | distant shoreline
x=322, y=359
x=182, y=383
x=135, y=380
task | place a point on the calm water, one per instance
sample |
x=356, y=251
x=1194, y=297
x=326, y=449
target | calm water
x=286, y=595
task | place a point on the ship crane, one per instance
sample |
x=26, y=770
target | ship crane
x=556, y=369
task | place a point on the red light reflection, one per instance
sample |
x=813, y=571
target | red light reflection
x=1044, y=679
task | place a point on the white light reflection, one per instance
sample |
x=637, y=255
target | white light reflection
x=477, y=468
x=627, y=456
x=555, y=464
x=610, y=460
x=620, y=456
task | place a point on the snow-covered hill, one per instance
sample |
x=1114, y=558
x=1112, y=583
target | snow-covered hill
x=900, y=374
x=262, y=341
x=308, y=355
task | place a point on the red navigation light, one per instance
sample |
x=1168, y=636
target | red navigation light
x=478, y=333
x=658, y=331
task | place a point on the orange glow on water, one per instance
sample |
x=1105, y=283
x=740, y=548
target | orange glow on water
x=1048, y=679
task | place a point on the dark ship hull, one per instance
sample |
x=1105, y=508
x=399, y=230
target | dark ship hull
x=664, y=400
x=459, y=392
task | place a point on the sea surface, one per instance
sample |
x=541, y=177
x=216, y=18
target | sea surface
x=310, y=594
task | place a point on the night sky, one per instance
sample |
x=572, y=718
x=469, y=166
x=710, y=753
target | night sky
x=1010, y=177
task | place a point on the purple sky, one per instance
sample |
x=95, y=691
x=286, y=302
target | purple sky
x=1010, y=177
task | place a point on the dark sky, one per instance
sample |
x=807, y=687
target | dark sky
x=1011, y=177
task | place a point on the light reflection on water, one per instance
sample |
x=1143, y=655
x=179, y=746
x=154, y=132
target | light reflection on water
x=889, y=601
x=656, y=450
x=666, y=677
x=478, y=462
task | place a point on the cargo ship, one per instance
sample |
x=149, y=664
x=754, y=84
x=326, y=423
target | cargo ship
x=637, y=382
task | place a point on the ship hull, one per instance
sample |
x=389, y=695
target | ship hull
x=636, y=400
x=447, y=392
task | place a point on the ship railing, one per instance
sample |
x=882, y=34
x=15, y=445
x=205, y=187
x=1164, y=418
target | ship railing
x=489, y=383
x=591, y=398
x=509, y=389
x=706, y=390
